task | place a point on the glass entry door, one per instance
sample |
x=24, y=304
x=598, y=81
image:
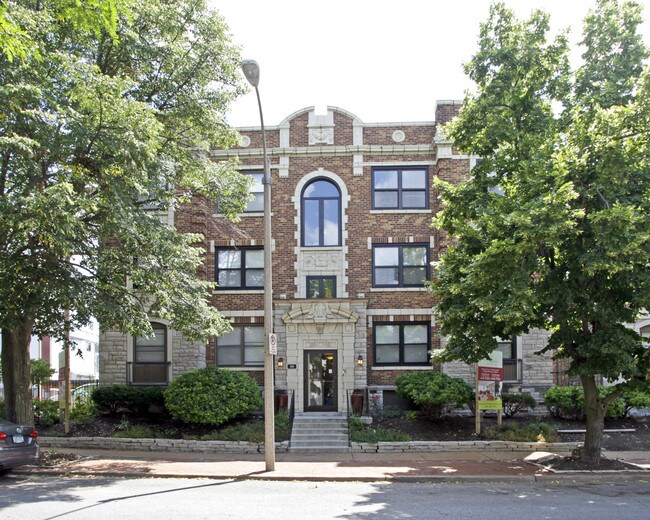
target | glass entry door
x=320, y=381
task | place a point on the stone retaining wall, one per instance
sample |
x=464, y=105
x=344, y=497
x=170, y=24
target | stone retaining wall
x=419, y=446
x=179, y=445
x=169, y=445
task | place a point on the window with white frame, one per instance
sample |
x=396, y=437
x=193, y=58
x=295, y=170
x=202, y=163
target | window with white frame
x=256, y=205
x=402, y=343
x=243, y=346
x=400, y=188
x=239, y=268
x=400, y=265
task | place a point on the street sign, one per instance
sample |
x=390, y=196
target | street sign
x=273, y=344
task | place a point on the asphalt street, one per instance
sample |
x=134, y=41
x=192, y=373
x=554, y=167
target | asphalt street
x=49, y=498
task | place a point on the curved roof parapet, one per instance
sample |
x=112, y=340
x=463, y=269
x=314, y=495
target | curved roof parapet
x=306, y=110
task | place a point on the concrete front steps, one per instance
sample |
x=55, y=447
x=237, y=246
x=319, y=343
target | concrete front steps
x=318, y=432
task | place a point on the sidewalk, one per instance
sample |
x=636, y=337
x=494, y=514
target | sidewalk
x=428, y=466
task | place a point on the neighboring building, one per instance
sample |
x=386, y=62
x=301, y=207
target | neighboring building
x=84, y=358
x=352, y=245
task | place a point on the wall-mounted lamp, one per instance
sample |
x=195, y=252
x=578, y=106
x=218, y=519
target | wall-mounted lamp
x=360, y=360
x=280, y=362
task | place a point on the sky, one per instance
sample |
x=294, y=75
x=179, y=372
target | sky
x=383, y=61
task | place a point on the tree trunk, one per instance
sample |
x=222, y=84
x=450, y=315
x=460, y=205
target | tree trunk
x=16, y=373
x=595, y=414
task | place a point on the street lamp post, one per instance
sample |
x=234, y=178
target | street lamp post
x=251, y=70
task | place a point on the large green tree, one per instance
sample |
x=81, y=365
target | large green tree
x=16, y=21
x=100, y=134
x=552, y=229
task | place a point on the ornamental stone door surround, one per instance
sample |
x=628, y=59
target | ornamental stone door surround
x=323, y=325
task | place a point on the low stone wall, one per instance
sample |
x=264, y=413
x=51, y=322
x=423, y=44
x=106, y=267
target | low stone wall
x=179, y=446
x=420, y=446
x=160, y=445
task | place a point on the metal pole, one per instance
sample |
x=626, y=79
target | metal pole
x=269, y=410
x=66, y=375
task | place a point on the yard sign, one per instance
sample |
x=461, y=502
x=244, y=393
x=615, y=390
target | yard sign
x=489, y=374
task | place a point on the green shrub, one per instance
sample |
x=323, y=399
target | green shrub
x=2, y=409
x=46, y=413
x=82, y=409
x=433, y=392
x=360, y=432
x=636, y=399
x=538, y=432
x=568, y=402
x=515, y=403
x=211, y=395
x=120, y=399
x=565, y=401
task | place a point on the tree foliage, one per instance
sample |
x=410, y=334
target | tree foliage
x=100, y=135
x=17, y=21
x=552, y=229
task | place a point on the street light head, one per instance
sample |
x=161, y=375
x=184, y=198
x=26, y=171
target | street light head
x=251, y=70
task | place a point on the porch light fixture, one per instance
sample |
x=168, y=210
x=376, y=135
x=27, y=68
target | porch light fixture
x=360, y=360
x=251, y=70
x=280, y=362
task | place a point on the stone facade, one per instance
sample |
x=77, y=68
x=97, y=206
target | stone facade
x=371, y=215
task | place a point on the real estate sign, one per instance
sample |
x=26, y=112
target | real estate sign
x=489, y=374
x=488, y=382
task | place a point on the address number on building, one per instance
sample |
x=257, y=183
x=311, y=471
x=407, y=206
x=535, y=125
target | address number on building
x=273, y=344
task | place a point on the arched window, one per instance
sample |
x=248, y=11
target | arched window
x=321, y=214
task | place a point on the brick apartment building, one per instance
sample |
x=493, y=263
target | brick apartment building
x=352, y=245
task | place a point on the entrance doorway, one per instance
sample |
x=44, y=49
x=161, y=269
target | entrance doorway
x=320, y=381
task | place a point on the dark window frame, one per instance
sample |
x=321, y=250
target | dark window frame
x=321, y=288
x=399, y=189
x=513, y=346
x=321, y=215
x=242, y=269
x=400, y=266
x=401, y=344
x=242, y=347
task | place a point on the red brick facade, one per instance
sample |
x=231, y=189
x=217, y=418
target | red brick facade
x=342, y=149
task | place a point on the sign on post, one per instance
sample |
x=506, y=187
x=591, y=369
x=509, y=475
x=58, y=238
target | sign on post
x=273, y=344
x=489, y=374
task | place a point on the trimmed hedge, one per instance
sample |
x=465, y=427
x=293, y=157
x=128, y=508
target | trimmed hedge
x=212, y=396
x=433, y=392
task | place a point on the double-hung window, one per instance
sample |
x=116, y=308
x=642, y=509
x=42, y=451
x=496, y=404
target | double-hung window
x=240, y=268
x=400, y=188
x=405, y=265
x=402, y=343
x=153, y=349
x=256, y=204
x=243, y=346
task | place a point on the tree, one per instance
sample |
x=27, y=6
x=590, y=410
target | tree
x=17, y=21
x=551, y=230
x=96, y=131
